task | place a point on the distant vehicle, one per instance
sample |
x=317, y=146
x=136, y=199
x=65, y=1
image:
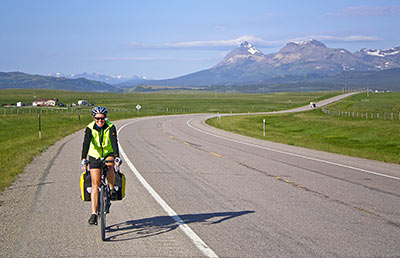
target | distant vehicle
x=82, y=102
x=313, y=105
x=61, y=104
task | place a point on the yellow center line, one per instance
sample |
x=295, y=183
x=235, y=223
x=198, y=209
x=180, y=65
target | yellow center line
x=215, y=154
x=172, y=137
x=186, y=143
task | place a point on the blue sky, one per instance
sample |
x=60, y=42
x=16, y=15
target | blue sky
x=165, y=39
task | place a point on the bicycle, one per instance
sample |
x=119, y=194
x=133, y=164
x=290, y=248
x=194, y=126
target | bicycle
x=105, y=195
x=103, y=200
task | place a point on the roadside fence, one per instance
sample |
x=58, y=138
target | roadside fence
x=393, y=116
x=6, y=111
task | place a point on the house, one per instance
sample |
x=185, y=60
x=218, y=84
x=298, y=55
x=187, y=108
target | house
x=44, y=102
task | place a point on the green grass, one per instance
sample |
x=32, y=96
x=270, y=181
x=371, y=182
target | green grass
x=178, y=101
x=366, y=138
x=19, y=132
x=382, y=102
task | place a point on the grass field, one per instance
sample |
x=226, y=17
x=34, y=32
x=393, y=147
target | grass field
x=19, y=131
x=381, y=102
x=360, y=137
x=173, y=101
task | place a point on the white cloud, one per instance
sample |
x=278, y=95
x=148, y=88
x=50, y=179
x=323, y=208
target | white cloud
x=229, y=44
x=344, y=39
x=366, y=11
x=210, y=43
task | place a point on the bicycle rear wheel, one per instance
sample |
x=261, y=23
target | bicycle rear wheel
x=103, y=212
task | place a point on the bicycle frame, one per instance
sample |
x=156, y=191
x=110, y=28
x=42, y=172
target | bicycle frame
x=103, y=200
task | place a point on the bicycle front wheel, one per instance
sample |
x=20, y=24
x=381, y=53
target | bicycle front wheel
x=102, y=197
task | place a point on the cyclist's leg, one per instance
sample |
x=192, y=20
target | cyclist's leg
x=111, y=177
x=95, y=175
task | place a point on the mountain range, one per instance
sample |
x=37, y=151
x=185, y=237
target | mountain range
x=296, y=61
x=113, y=80
x=305, y=65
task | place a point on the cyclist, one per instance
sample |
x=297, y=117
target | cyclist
x=100, y=142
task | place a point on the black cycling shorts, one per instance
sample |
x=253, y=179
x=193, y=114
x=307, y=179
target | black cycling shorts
x=96, y=163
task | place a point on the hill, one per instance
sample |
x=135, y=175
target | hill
x=18, y=80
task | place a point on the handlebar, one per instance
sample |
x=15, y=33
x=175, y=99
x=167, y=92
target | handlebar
x=104, y=162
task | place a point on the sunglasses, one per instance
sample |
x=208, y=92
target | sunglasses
x=99, y=118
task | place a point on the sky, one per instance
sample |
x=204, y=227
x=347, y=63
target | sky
x=169, y=38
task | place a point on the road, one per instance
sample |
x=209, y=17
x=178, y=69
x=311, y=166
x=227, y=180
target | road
x=196, y=191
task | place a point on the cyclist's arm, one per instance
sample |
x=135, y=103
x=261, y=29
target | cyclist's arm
x=86, y=142
x=114, y=141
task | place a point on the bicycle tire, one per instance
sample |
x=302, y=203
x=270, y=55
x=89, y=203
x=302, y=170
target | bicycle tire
x=103, y=212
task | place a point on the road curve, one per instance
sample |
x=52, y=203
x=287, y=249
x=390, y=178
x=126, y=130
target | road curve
x=240, y=196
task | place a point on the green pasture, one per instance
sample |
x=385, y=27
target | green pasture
x=19, y=126
x=367, y=138
x=372, y=102
x=173, y=101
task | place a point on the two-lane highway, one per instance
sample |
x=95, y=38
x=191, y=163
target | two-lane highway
x=279, y=201
x=195, y=191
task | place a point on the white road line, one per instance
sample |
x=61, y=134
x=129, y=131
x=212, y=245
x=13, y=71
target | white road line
x=293, y=154
x=200, y=244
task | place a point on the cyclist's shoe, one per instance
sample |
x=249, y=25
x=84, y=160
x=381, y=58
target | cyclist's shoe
x=93, y=219
x=113, y=194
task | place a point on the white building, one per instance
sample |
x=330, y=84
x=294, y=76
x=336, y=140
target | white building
x=44, y=102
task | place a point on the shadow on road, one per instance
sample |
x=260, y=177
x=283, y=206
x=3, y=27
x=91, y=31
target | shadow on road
x=142, y=228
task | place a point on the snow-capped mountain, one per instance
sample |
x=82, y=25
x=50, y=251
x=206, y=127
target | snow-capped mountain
x=381, y=53
x=244, y=51
x=313, y=56
x=380, y=59
x=98, y=77
x=248, y=65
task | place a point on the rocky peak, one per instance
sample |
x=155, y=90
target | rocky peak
x=311, y=45
x=245, y=51
x=310, y=42
x=246, y=48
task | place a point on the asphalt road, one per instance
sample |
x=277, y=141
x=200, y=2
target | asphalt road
x=195, y=191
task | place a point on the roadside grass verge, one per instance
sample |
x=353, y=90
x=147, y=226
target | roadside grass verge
x=20, y=140
x=365, y=138
x=19, y=131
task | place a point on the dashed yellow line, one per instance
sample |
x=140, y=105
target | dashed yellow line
x=186, y=143
x=171, y=136
x=216, y=155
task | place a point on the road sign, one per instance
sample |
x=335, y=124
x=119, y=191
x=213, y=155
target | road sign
x=138, y=107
